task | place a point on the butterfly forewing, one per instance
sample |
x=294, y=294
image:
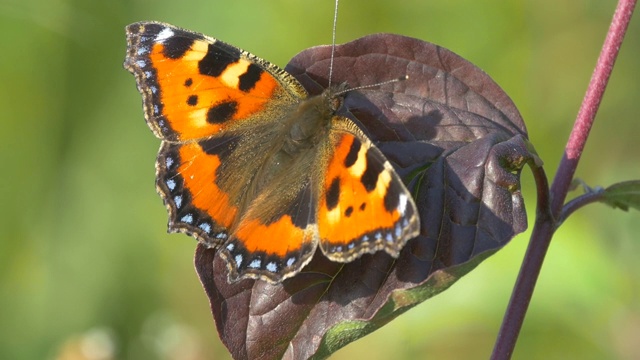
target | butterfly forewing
x=195, y=86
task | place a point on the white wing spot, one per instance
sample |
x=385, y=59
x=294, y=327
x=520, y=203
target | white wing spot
x=238, y=259
x=141, y=63
x=178, y=201
x=142, y=50
x=255, y=264
x=398, y=230
x=187, y=219
x=389, y=237
x=164, y=35
x=168, y=161
x=290, y=261
x=171, y=184
x=205, y=227
x=272, y=267
x=402, y=204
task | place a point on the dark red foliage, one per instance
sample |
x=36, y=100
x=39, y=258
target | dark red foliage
x=458, y=141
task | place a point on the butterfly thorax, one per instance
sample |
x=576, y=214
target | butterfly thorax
x=309, y=124
x=285, y=157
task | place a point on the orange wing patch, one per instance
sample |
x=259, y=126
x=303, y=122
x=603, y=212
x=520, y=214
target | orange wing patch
x=277, y=250
x=199, y=105
x=289, y=237
x=198, y=170
x=275, y=247
x=186, y=179
x=364, y=206
x=195, y=87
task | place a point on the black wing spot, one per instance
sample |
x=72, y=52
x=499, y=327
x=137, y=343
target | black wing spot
x=349, y=211
x=249, y=79
x=370, y=176
x=192, y=100
x=352, y=156
x=363, y=206
x=333, y=194
x=222, y=112
x=188, y=82
x=392, y=197
x=175, y=47
x=222, y=146
x=219, y=56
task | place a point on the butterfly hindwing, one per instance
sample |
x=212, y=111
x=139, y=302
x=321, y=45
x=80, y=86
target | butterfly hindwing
x=273, y=247
x=186, y=177
x=363, y=205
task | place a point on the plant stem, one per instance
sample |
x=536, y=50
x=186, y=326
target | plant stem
x=531, y=265
x=590, y=104
x=548, y=212
x=577, y=203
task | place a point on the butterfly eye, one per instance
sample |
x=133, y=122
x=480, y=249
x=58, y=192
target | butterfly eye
x=335, y=102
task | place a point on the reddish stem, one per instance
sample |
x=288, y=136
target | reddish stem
x=590, y=104
x=547, y=213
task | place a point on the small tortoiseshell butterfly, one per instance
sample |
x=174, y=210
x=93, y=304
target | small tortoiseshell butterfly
x=252, y=165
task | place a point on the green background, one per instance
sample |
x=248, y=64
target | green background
x=87, y=270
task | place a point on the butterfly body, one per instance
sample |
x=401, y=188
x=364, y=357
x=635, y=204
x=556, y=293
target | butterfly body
x=253, y=166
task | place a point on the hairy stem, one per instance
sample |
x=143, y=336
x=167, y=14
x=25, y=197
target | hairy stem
x=549, y=211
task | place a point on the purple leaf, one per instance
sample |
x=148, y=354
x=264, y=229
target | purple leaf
x=459, y=143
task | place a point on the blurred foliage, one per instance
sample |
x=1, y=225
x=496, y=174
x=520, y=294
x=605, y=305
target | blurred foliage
x=88, y=272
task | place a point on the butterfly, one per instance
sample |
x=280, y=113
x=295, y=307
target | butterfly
x=252, y=165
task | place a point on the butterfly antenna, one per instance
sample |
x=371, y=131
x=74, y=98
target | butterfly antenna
x=401, y=78
x=333, y=51
x=333, y=42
